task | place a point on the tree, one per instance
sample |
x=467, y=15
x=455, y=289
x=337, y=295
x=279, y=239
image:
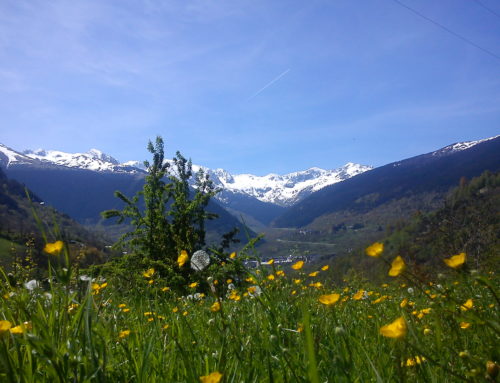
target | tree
x=167, y=217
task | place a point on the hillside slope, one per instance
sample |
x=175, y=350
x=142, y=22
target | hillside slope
x=434, y=172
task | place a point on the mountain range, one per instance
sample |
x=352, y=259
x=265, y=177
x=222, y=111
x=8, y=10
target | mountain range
x=256, y=198
x=314, y=206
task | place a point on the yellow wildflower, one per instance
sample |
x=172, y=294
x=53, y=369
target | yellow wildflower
x=298, y=265
x=467, y=305
x=193, y=285
x=215, y=307
x=427, y=331
x=185, y=313
x=375, y=250
x=124, y=334
x=270, y=262
x=456, y=261
x=229, y=281
x=122, y=305
x=314, y=273
x=464, y=325
x=175, y=309
x=126, y=310
x=148, y=273
x=317, y=285
x=214, y=377
x=270, y=277
x=326, y=267
x=183, y=258
x=397, y=267
x=329, y=299
x=280, y=273
x=5, y=325
x=232, y=255
x=165, y=289
x=358, y=295
x=297, y=281
x=20, y=329
x=396, y=329
x=72, y=307
x=403, y=303
x=54, y=248
x=492, y=369
x=234, y=296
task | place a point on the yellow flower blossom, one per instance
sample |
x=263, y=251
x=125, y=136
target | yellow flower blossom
x=326, y=267
x=215, y=307
x=72, y=307
x=54, y=248
x=126, y=310
x=185, y=313
x=214, y=377
x=165, y=289
x=397, y=267
x=298, y=265
x=270, y=277
x=175, y=309
x=317, y=285
x=375, y=250
x=313, y=274
x=396, y=329
x=456, y=261
x=464, y=325
x=232, y=255
x=329, y=299
x=122, y=305
x=270, y=262
x=124, y=334
x=297, y=281
x=358, y=295
x=5, y=326
x=467, y=305
x=427, y=331
x=403, y=303
x=148, y=273
x=193, y=285
x=234, y=296
x=280, y=273
x=183, y=258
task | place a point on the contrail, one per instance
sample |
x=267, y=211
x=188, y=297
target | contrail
x=268, y=84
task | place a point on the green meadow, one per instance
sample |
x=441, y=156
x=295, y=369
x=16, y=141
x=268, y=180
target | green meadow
x=268, y=324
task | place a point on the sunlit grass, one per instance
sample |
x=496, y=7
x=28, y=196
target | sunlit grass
x=287, y=328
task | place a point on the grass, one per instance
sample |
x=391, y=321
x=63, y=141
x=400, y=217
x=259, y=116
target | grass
x=76, y=330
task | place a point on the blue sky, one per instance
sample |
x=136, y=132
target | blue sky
x=253, y=86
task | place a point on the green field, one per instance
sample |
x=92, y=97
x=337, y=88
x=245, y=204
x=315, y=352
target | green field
x=272, y=326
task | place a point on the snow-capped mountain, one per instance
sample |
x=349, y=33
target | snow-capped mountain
x=284, y=190
x=92, y=160
x=456, y=147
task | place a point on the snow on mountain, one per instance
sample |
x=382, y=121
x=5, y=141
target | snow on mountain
x=460, y=146
x=284, y=190
x=8, y=156
x=92, y=160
